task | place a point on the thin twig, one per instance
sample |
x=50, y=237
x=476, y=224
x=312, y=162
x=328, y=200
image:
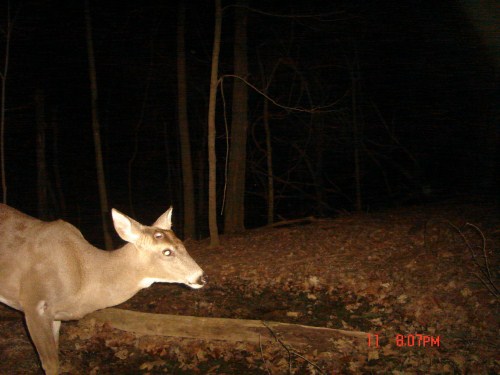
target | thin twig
x=485, y=255
x=262, y=355
x=318, y=109
x=485, y=275
x=290, y=351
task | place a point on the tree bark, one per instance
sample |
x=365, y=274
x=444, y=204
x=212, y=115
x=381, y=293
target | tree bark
x=269, y=160
x=212, y=161
x=3, y=76
x=318, y=123
x=356, y=135
x=484, y=15
x=234, y=213
x=59, y=199
x=187, y=167
x=103, y=198
x=41, y=164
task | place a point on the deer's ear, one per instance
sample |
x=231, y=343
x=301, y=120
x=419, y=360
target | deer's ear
x=127, y=228
x=165, y=220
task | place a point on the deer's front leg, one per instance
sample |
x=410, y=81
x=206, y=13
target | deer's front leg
x=44, y=332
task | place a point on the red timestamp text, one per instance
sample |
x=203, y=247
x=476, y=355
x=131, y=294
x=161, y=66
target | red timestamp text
x=411, y=340
x=417, y=340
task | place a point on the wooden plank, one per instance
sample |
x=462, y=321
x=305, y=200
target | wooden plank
x=225, y=329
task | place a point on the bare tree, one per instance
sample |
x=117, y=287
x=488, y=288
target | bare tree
x=356, y=131
x=484, y=17
x=96, y=131
x=187, y=167
x=269, y=164
x=41, y=163
x=59, y=200
x=3, y=76
x=212, y=162
x=49, y=187
x=234, y=212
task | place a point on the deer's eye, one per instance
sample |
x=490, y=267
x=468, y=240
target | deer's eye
x=158, y=235
x=167, y=252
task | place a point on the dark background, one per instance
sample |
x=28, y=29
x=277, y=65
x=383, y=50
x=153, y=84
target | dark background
x=426, y=97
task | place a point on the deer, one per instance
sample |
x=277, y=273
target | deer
x=52, y=274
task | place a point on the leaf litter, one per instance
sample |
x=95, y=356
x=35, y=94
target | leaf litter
x=409, y=278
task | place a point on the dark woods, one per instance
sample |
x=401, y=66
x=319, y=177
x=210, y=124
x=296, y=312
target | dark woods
x=320, y=107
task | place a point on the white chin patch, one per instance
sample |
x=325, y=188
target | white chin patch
x=195, y=286
x=147, y=281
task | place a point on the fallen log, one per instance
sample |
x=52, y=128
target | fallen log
x=254, y=331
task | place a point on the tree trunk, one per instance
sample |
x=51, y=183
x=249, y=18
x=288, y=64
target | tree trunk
x=269, y=156
x=201, y=172
x=234, y=213
x=96, y=132
x=59, y=200
x=484, y=15
x=356, y=136
x=212, y=161
x=319, y=145
x=41, y=164
x=3, y=76
x=187, y=167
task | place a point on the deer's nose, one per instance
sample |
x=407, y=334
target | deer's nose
x=203, y=279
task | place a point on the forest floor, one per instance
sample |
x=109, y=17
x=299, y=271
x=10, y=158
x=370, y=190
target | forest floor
x=420, y=281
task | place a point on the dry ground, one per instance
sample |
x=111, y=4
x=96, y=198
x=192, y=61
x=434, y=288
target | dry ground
x=408, y=272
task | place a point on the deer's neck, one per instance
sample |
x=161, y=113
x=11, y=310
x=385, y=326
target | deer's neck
x=108, y=278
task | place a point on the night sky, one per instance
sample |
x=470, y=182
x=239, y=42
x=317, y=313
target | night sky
x=426, y=98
